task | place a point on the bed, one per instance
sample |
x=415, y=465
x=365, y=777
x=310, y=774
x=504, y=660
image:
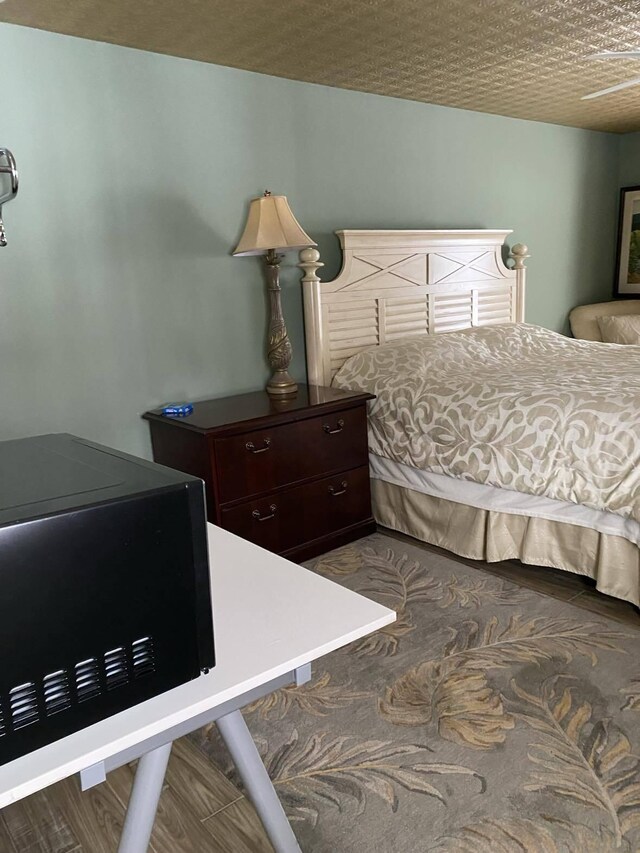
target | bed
x=498, y=439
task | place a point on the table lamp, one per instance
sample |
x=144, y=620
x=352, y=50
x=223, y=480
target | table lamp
x=271, y=226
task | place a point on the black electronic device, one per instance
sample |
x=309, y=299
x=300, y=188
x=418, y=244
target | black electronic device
x=104, y=586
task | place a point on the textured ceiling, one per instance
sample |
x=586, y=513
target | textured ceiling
x=523, y=59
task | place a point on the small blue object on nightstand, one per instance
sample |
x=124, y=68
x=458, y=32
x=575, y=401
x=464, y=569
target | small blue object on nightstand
x=177, y=410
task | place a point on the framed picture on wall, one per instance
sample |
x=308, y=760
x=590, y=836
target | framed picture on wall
x=627, y=281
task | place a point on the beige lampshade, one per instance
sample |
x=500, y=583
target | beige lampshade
x=271, y=225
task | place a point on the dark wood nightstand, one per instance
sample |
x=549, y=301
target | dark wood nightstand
x=290, y=475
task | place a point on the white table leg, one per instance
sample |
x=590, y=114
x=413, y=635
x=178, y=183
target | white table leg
x=246, y=758
x=143, y=802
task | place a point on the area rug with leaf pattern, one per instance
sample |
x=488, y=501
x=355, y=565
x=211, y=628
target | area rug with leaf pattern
x=488, y=719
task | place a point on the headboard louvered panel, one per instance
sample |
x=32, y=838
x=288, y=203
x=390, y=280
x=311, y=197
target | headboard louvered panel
x=397, y=284
x=404, y=316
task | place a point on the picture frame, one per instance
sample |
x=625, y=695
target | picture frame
x=627, y=280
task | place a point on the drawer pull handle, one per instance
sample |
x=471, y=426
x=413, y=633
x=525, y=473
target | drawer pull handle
x=335, y=492
x=339, y=428
x=256, y=513
x=253, y=449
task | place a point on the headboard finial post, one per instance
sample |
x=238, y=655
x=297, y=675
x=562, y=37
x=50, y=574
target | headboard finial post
x=519, y=253
x=310, y=263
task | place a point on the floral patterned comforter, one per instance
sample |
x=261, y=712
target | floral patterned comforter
x=515, y=406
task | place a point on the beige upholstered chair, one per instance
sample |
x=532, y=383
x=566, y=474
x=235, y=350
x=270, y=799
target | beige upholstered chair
x=584, y=322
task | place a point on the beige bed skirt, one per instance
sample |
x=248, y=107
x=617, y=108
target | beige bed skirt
x=480, y=534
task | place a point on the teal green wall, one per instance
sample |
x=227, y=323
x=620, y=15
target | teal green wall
x=630, y=159
x=117, y=290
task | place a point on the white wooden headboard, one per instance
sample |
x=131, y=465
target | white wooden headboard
x=395, y=284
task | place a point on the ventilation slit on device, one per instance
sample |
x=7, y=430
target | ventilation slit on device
x=115, y=666
x=23, y=703
x=3, y=728
x=87, y=679
x=57, y=696
x=143, y=657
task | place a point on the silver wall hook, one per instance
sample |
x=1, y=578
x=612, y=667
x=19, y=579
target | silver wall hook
x=12, y=192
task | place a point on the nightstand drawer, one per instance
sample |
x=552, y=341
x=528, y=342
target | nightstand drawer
x=271, y=522
x=263, y=460
x=335, y=502
x=257, y=461
x=303, y=513
x=334, y=442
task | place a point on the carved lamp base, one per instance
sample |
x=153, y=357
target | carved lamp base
x=279, y=350
x=281, y=385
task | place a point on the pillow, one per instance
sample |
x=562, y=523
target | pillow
x=624, y=329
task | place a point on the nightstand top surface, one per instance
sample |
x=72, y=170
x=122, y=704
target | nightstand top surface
x=258, y=406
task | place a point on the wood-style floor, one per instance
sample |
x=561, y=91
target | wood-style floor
x=200, y=810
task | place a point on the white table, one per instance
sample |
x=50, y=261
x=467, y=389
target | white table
x=271, y=620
